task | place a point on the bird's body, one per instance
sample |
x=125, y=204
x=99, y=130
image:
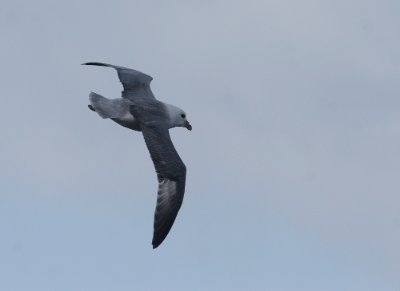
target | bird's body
x=139, y=110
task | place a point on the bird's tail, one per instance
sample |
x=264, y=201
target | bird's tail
x=107, y=108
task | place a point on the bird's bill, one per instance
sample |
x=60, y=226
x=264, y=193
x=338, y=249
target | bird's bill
x=188, y=125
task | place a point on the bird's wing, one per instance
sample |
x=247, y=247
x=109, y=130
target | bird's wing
x=136, y=84
x=171, y=173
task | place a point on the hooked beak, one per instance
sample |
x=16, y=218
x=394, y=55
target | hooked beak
x=187, y=125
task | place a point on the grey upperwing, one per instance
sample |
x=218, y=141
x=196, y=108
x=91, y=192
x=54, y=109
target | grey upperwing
x=170, y=169
x=136, y=84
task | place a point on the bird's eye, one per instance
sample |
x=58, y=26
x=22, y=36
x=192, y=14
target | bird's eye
x=183, y=115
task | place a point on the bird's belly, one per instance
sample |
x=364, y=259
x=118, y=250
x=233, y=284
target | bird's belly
x=129, y=122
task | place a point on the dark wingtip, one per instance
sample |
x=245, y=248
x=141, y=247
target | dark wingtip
x=156, y=244
x=97, y=64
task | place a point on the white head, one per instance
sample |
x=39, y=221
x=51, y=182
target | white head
x=177, y=117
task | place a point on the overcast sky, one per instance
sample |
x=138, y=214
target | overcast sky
x=293, y=161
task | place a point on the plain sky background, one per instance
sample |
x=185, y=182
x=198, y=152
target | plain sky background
x=293, y=162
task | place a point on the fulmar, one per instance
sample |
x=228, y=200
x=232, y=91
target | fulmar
x=139, y=110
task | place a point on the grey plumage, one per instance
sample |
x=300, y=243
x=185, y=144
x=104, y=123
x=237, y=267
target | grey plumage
x=171, y=174
x=139, y=110
x=136, y=84
x=107, y=108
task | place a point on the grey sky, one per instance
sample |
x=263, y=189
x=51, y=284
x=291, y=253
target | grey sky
x=293, y=161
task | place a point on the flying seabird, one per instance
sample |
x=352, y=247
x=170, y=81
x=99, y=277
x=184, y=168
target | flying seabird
x=139, y=110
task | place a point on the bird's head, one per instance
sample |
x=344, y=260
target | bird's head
x=177, y=117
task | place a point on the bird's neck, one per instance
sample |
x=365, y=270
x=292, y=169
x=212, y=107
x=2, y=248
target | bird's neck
x=172, y=113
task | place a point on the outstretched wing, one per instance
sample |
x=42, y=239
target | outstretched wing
x=171, y=173
x=136, y=84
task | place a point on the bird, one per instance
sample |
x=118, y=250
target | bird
x=139, y=110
